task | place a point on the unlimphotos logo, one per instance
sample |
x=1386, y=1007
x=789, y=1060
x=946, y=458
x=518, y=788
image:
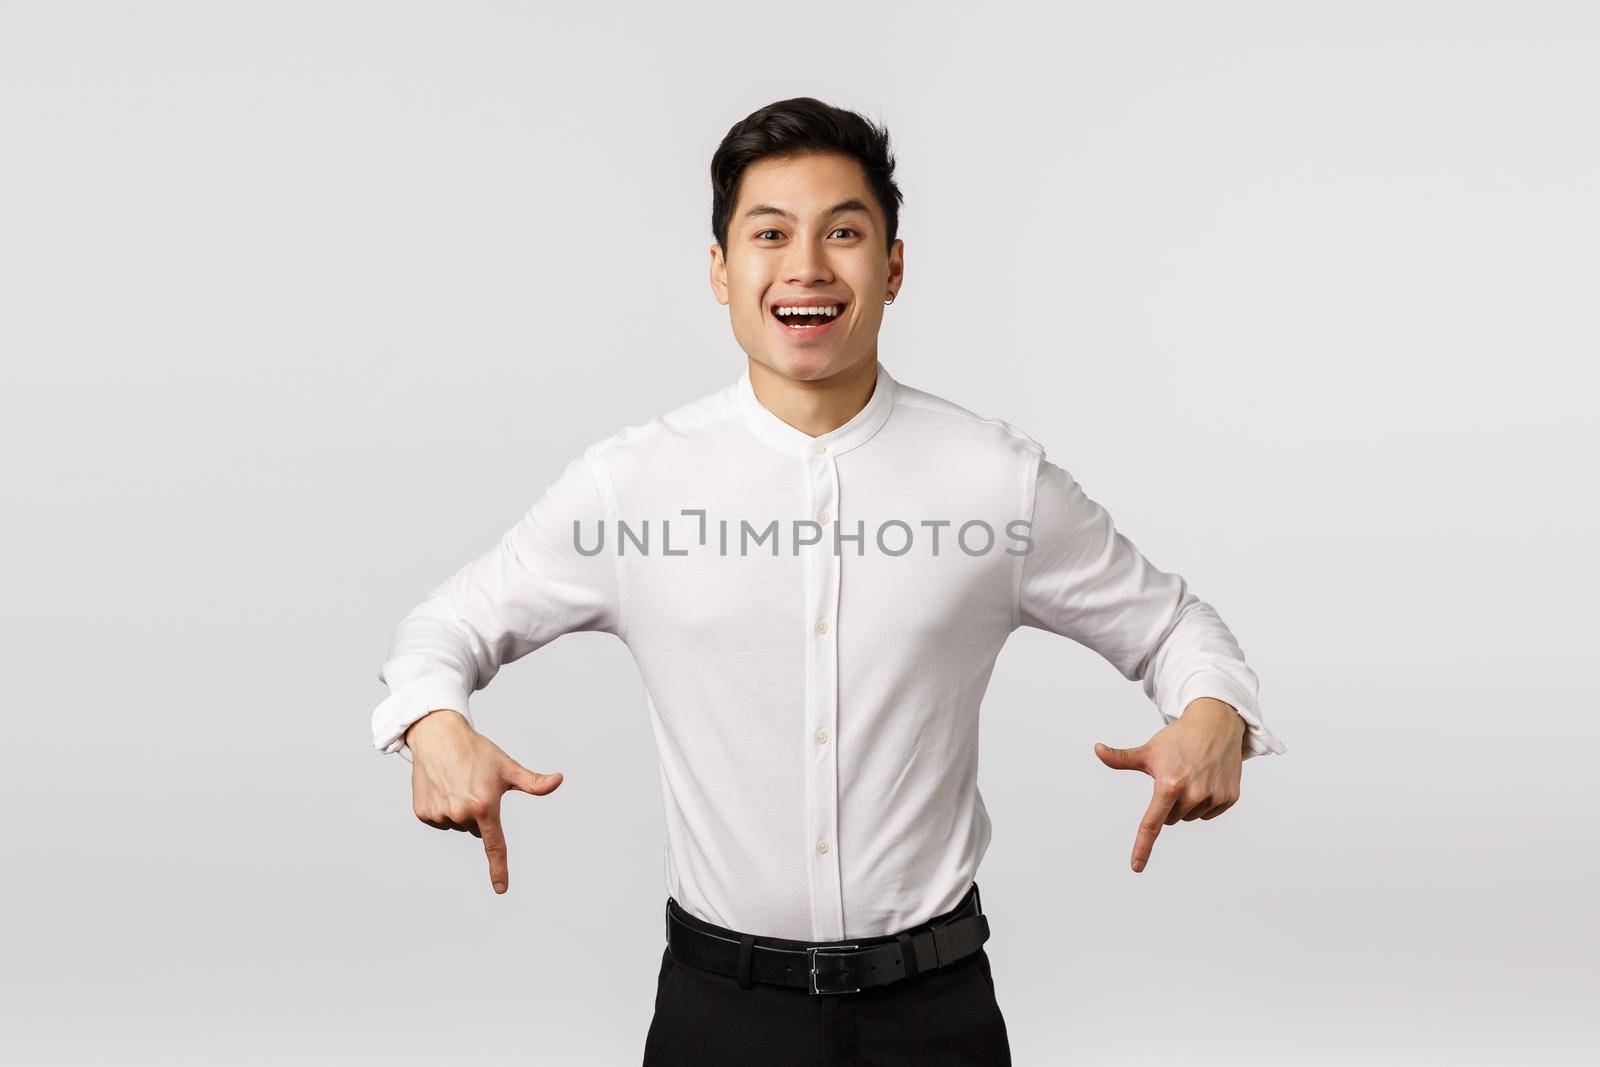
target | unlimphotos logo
x=892, y=537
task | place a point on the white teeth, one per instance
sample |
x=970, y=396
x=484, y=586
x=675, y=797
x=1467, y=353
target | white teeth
x=830, y=311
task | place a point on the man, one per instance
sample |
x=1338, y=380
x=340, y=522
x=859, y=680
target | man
x=814, y=569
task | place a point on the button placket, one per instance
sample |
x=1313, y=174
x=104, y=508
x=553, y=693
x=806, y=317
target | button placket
x=822, y=708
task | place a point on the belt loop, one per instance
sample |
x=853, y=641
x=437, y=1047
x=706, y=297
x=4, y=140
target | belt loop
x=746, y=951
x=977, y=898
x=909, y=951
x=669, y=921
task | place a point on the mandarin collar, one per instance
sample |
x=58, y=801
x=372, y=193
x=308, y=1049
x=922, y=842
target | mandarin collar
x=780, y=435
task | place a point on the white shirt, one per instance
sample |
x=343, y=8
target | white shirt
x=815, y=646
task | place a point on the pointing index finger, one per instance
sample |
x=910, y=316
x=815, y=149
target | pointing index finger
x=1154, y=817
x=494, y=845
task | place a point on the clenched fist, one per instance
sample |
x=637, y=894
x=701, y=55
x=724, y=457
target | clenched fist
x=458, y=777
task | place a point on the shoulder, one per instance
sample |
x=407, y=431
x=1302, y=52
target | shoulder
x=704, y=416
x=953, y=421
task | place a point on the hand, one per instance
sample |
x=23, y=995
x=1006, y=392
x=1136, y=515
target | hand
x=458, y=777
x=1195, y=760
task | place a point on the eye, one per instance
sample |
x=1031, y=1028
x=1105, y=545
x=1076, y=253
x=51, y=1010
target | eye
x=763, y=233
x=845, y=229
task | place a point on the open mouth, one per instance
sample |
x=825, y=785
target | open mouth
x=808, y=318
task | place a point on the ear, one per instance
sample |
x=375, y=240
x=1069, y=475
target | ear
x=719, y=274
x=897, y=264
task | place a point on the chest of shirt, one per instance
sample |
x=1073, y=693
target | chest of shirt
x=889, y=547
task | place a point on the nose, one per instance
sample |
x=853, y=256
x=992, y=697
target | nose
x=807, y=263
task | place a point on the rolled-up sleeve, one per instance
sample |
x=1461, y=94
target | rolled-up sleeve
x=1084, y=579
x=534, y=585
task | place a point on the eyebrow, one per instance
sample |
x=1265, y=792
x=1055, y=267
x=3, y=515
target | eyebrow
x=840, y=207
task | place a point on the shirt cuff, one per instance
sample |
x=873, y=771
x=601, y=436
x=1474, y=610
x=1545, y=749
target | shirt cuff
x=1259, y=741
x=411, y=702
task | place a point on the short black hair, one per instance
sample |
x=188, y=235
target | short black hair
x=797, y=127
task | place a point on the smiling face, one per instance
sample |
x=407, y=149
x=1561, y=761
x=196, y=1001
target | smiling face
x=806, y=270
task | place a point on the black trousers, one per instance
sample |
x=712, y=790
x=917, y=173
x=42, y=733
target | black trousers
x=946, y=1016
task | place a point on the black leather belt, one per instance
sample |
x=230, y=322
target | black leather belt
x=829, y=966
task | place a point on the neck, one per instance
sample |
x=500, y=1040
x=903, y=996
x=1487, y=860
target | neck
x=815, y=407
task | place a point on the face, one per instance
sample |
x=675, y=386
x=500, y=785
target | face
x=807, y=232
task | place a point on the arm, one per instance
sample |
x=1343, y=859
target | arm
x=527, y=590
x=1085, y=580
x=520, y=595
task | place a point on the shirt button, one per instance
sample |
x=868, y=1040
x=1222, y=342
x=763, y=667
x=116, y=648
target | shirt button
x=822, y=517
x=822, y=626
x=822, y=846
x=819, y=448
x=822, y=737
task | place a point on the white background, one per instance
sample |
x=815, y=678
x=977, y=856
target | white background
x=301, y=305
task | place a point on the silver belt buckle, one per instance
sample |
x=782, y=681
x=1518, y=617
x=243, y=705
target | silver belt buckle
x=813, y=954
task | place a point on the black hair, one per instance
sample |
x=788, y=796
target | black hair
x=796, y=127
